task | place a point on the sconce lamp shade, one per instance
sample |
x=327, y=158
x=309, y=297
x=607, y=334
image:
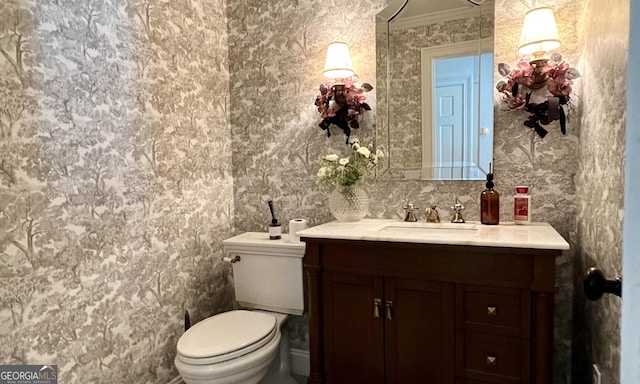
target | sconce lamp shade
x=539, y=32
x=338, y=63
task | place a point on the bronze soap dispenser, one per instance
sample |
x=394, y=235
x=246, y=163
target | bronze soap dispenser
x=490, y=203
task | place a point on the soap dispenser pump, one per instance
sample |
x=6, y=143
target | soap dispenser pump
x=490, y=203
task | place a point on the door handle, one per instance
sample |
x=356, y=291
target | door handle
x=595, y=284
x=377, y=303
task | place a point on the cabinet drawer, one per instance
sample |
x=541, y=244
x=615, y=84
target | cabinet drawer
x=494, y=310
x=495, y=359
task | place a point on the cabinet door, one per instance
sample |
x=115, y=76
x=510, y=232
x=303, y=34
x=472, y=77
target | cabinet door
x=419, y=325
x=353, y=329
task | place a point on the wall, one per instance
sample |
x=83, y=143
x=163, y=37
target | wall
x=275, y=74
x=116, y=165
x=115, y=182
x=600, y=182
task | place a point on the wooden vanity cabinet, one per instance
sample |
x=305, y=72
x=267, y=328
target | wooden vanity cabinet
x=392, y=313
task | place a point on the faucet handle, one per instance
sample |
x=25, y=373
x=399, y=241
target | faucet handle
x=409, y=206
x=458, y=207
x=410, y=210
x=457, y=216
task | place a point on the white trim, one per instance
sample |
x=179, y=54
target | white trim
x=300, y=362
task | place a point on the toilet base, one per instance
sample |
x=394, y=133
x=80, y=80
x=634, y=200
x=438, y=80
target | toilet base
x=280, y=369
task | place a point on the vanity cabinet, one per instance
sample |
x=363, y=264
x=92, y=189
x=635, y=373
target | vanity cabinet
x=395, y=312
x=376, y=329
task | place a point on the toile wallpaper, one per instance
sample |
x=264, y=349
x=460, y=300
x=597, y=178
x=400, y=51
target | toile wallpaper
x=600, y=182
x=135, y=135
x=115, y=182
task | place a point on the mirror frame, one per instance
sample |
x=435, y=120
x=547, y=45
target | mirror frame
x=383, y=18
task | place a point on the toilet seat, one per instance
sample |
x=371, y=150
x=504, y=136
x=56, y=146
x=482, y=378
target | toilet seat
x=226, y=336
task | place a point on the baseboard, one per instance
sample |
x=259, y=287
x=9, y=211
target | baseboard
x=299, y=362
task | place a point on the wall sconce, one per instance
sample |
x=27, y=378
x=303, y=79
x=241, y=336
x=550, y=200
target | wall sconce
x=520, y=90
x=341, y=102
x=539, y=36
x=338, y=66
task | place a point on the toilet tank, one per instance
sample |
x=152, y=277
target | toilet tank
x=268, y=275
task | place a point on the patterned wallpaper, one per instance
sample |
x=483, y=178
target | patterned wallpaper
x=277, y=144
x=115, y=182
x=600, y=182
x=131, y=146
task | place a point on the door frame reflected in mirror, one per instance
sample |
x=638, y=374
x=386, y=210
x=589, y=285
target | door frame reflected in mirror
x=439, y=160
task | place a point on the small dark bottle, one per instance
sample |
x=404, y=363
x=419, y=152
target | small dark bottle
x=490, y=203
x=275, y=230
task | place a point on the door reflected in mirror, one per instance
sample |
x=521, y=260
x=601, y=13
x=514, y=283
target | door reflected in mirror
x=435, y=89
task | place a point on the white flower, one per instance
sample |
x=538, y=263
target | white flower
x=344, y=161
x=379, y=153
x=364, y=151
x=355, y=143
x=332, y=157
x=322, y=172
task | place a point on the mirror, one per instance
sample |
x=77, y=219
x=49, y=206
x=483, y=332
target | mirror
x=434, y=64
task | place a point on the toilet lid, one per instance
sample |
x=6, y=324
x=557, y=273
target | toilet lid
x=227, y=335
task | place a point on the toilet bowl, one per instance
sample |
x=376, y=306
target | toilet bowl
x=232, y=347
x=247, y=346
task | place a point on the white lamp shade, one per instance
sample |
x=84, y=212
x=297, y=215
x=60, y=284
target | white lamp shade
x=539, y=32
x=338, y=63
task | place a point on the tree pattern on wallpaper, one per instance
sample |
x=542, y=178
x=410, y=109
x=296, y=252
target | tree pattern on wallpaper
x=276, y=62
x=115, y=182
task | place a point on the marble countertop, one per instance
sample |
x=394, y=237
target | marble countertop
x=508, y=234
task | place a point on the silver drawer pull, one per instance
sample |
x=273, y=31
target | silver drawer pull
x=377, y=303
x=492, y=360
x=492, y=311
x=389, y=306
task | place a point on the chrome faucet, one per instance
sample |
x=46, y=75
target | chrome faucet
x=432, y=214
x=410, y=210
x=457, y=216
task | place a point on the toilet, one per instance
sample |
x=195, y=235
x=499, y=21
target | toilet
x=246, y=345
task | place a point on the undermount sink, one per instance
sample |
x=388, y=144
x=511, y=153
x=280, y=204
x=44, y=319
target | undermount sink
x=437, y=229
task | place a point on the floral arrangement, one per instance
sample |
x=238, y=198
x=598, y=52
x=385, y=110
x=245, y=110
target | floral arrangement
x=518, y=91
x=347, y=171
x=342, y=105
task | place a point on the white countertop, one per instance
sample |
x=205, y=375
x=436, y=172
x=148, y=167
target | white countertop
x=509, y=235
